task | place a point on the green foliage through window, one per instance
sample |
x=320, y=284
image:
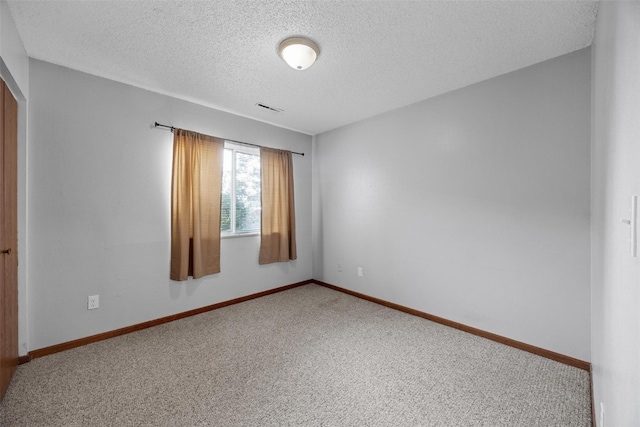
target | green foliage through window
x=240, y=190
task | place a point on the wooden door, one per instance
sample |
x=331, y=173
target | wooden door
x=8, y=237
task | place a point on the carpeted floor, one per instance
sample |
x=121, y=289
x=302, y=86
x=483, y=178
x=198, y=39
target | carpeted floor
x=309, y=356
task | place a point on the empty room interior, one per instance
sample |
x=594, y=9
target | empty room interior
x=462, y=183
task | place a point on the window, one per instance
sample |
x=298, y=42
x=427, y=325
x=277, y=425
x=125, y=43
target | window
x=240, y=212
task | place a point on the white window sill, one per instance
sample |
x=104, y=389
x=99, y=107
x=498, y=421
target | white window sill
x=233, y=236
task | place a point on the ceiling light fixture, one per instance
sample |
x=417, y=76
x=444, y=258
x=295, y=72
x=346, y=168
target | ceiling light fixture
x=300, y=53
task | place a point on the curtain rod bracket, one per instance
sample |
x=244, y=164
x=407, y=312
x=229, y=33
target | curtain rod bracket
x=171, y=128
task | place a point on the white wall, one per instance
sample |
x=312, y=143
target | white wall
x=472, y=206
x=12, y=50
x=14, y=70
x=99, y=207
x=615, y=178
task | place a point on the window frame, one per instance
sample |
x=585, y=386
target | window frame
x=245, y=149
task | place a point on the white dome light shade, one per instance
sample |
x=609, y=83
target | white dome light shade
x=298, y=52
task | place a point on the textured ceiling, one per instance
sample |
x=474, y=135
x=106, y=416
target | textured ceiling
x=375, y=55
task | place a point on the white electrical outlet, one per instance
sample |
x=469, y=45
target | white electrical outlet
x=632, y=222
x=360, y=274
x=93, y=302
x=601, y=423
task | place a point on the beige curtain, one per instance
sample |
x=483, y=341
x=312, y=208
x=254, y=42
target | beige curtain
x=195, y=204
x=278, y=226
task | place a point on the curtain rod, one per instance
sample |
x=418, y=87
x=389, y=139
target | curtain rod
x=171, y=128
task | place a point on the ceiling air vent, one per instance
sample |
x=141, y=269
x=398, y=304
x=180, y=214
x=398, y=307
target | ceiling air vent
x=267, y=107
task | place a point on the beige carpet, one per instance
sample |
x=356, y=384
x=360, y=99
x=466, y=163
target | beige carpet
x=309, y=356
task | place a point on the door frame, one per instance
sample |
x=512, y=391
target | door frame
x=9, y=239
